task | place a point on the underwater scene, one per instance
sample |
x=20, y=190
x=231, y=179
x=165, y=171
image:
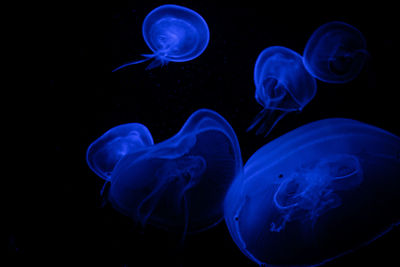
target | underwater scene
x=193, y=133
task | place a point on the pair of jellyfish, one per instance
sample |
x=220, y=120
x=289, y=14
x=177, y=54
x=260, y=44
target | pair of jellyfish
x=178, y=184
x=173, y=33
x=316, y=193
x=285, y=80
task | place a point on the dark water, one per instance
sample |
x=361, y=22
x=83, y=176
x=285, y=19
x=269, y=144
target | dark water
x=82, y=99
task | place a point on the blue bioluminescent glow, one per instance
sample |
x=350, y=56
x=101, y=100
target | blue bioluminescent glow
x=316, y=193
x=179, y=184
x=104, y=153
x=282, y=85
x=173, y=33
x=335, y=52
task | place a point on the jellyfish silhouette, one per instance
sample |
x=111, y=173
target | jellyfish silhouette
x=104, y=153
x=282, y=85
x=316, y=193
x=335, y=52
x=173, y=33
x=180, y=183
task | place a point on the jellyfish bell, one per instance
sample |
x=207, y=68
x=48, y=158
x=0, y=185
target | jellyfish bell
x=335, y=53
x=311, y=195
x=180, y=184
x=176, y=32
x=173, y=33
x=283, y=85
x=107, y=150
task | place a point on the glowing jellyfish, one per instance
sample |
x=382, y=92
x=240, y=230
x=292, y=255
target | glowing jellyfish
x=104, y=153
x=180, y=184
x=316, y=193
x=282, y=85
x=335, y=52
x=173, y=33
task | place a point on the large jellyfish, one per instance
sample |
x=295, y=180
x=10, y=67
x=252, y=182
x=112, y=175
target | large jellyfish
x=173, y=33
x=335, y=52
x=105, y=152
x=179, y=184
x=282, y=85
x=316, y=193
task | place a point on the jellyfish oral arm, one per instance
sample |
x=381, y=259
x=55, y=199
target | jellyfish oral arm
x=131, y=63
x=159, y=60
x=263, y=126
x=271, y=119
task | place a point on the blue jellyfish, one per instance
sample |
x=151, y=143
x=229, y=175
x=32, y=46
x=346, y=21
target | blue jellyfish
x=282, y=85
x=316, y=193
x=180, y=183
x=104, y=153
x=335, y=52
x=173, y=33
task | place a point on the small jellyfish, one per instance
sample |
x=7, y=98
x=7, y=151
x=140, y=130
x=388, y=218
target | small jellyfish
x=104, y=153
x=282, y=85
x=316, y=193
x=173, y=33
x=180, y=183
x=335, y=53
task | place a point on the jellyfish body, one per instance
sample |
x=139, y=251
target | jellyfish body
x=180, y=184
x=335, y=52
x=173, y=33
x=105, y=152
x=316, y=193
x=282, y=85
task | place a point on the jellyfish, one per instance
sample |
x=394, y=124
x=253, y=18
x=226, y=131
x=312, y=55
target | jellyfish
x=335, y=53
x=316, y=193
x=105, y=152
x=179, y=184
x=174, y=33
x=282, y=85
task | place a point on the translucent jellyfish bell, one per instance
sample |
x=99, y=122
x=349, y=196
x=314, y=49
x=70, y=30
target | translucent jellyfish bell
x=105, y=152
x=180, y=184
x=173, y=33
x=335, y=52
x=316, y=193
x=282, y=85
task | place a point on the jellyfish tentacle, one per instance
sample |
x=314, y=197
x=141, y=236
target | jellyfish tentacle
x=185, y=219
x=257, y=119
x=103, y=194
x=273, y=125
x=151, y=200
x=149, y=55
x=268, y=120
x=131, y=63
x=158, y=61
x=182, y=197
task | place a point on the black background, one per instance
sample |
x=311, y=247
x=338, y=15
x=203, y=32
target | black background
x=64, y=218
